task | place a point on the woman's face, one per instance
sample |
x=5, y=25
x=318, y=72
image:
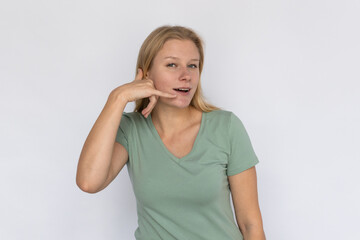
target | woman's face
x=176, y=66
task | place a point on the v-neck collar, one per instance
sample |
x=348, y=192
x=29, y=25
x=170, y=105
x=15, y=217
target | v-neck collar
x=158, y=138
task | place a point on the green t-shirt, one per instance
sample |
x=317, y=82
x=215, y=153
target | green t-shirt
x=189, y=197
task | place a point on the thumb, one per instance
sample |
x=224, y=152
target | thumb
x=139, y=74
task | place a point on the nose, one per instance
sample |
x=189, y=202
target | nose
x=185, y=73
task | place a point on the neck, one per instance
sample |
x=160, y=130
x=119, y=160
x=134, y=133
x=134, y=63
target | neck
x=170, y=120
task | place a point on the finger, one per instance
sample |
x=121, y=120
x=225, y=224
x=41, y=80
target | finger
x=139, y=74
x=150, y=106
x=146, y=110
x=164, y=94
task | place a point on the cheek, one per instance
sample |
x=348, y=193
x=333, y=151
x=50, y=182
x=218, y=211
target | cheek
x=162, y=80
x=196, y=75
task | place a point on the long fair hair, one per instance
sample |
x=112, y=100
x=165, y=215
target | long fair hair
x=153, y=44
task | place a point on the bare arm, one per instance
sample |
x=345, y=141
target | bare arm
x=245, y=200
x=101, y=157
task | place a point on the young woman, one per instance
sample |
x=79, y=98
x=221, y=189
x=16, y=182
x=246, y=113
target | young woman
x=183, y=155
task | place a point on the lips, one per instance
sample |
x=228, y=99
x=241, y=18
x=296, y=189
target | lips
x=183, y=93
x=182, y=89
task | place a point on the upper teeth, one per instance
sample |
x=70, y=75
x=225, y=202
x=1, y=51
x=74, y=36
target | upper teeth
x=183, y=88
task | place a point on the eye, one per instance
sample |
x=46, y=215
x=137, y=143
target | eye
x=193, y=65
x=170, y=64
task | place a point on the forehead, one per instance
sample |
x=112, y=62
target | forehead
x=182, y=49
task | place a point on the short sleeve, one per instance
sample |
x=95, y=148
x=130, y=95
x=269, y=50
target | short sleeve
x=242, y=155
x=122, y=135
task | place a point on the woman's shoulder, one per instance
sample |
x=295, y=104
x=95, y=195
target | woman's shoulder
x=130, y=118
x=220, y=114
x=133, y=115
x=219, y=118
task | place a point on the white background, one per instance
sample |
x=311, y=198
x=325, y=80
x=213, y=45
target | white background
x=289, y=69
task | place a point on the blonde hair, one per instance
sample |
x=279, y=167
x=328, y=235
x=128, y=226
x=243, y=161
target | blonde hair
x=153, y=44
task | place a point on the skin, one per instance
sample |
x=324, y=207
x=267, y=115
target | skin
x=171, y=119
x=244, y=194
x=171, y=115
x=102, y=158
x=177, y=123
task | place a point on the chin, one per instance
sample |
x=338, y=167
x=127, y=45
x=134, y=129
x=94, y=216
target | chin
x=182, y=107
x=179, y=105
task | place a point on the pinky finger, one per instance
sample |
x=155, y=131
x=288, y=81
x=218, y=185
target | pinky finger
x=151, y=105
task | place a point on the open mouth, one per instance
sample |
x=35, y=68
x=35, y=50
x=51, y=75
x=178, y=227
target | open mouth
x=182, y=89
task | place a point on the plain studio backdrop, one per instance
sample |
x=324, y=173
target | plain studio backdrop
x=288, y=69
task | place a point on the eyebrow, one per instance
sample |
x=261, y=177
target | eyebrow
x=194, y=59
